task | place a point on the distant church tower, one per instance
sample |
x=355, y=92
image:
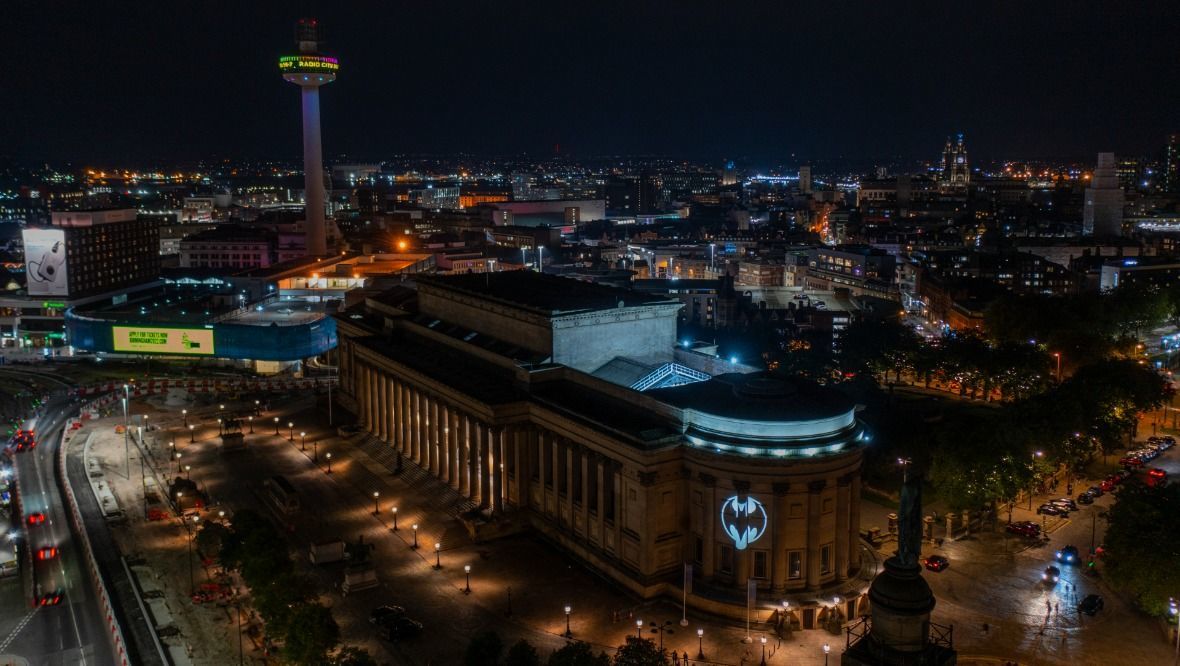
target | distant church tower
x=956, y=172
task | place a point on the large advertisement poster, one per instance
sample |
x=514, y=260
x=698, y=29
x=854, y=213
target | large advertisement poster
x=46, y=269
x=148, y=340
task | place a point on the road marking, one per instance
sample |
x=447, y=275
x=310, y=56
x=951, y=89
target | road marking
x=19, y=627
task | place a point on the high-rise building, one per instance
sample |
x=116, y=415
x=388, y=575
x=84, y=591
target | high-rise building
x=955, y=170
x=1172, y=164
x=805, y=179
x=88, y=252
x=309, y=70
x=1103, y=211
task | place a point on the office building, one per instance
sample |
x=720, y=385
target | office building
x=1103, y=211
x=87, y=252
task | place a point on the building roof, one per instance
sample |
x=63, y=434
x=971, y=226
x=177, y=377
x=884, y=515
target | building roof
x=757, y=397
x=548, y=294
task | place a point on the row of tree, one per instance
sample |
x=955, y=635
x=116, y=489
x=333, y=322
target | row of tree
x=286, y=600
x=487, y=649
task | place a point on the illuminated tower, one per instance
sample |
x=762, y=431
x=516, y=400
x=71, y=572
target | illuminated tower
x=955, y=170
x=309, y=70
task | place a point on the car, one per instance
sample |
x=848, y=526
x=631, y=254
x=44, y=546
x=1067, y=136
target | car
x=1051, y=575
x=1156, y=477
x=1051, y=510
x=1131, y=461
x=1108, y=485
x=1122, y=475
x=1086, y=498
x=36, y=518
x=1091, y=605
x=1096, y=491
x=1068, y=554
x=1064, y=502
x=1025, y=528
x=47, y=553
x=399, y=628
x=51, y=598
x=936, y=563
x=383, y=613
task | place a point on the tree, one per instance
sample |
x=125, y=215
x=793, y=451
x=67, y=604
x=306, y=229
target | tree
x=577, y=653
x=1142, y=540
x=641, y=652
x=484, y=649
x=522, y=653
x=311, y=634
x=980, y=461
x=354, y=656
x=210, y=538
x=878, y=346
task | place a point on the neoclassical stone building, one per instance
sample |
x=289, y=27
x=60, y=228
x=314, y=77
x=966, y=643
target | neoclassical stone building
x=486, y=382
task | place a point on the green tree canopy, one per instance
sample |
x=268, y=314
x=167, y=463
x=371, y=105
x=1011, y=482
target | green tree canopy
x=1143, y=543
x=484, y=649
x=522, y=653
x=312, y=633
x=577, y=653
x=641, y=652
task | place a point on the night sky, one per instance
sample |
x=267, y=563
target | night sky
x=107, y=82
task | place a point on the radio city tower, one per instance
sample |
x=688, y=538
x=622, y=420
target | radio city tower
x=309, y=70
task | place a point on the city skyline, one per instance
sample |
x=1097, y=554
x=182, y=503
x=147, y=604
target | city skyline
x=703, y=83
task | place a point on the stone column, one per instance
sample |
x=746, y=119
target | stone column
x=395, y=412
x=387, y=410
x=436, y=434
x=485, y=467
x=814, y=499
x=444, y=442
x=600, y=481
x=416, y=424
x=371, y=400
x=571, y=454
x=841, y=544
x=854, y=524
x=474, y=435
x=427, y=432
x=520, y=469
x=542, y=472
x=383, y=406
x=778, y=579
x=617, y=491
x=585, y=498
x=557, y=472
x=464, y=461
x=362, y=395
x=709, y=520
x=499, y=470
x=455, y=443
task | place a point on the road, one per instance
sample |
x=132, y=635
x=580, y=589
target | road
x=73, y=632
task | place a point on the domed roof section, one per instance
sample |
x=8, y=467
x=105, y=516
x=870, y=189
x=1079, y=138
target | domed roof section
x=758, y=397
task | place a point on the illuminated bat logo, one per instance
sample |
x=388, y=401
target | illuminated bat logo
x=744, y=520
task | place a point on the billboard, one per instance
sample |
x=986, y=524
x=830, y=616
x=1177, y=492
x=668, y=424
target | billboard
x=149, y=340
x=46, y=270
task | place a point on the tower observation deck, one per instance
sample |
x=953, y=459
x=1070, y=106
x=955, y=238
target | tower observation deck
x=309, y=69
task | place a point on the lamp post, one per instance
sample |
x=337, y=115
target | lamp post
x=700, y=644
x=251, y=420
x=184, y=413
x=192, y=437
x=568, y=633
x=827, y=649
x=437, y=555
x=291, y=425
x=1057, y=355
x=394, y=510
x=1032, y=483
x=639, y=628
x=467, y=572
x=329, y=456
x=376, y=508
x=178, y=463
x=302, y=440
x=315, y=451
x=220, y=426
x=414, y=529
x=276, y=425
x=188, y=471
x=905, y=468
x=192, y=583
x=763, y=641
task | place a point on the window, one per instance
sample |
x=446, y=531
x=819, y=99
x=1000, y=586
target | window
x=726, y=565
x=795, y=564
x=825, y=559
x=760, y=564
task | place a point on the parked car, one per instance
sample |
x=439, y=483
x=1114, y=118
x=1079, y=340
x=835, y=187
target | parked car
x=1086, y=498
x=1091, y=605
x=1156, y=477
x=1096, y=491
x=1068, y=554
x=1064, y=502
x=1051, y=510
x=383, y=613
x=399, y=628
x=1025, y=528
x=936, y=563
x=1108, y=484
x=1051, y=575
x=1131, y=461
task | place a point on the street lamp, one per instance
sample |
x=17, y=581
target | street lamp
x=763, y=641
x=220, y=426
x=905, y=467
x=177, y=463
x=302, y=440
x=191, y=436
x=376, y=508
x=291, y=425
x=437, y=555
x=414, y=528
x=1057, y=355
x=192, y=584
x=827, y=649
x=700, y=644
x=639, y=628
x=568, y=633
x=1031, y=485
x=188, y=471
x=184, y=413
x=276, y=425
x=467, y=572
x=329, y=456
x=315, y=451
x=394, y=509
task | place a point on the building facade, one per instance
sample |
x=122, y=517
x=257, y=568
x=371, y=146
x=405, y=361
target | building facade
x=748, y=479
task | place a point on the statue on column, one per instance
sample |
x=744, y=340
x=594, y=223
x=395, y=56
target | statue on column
x=909, y=527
